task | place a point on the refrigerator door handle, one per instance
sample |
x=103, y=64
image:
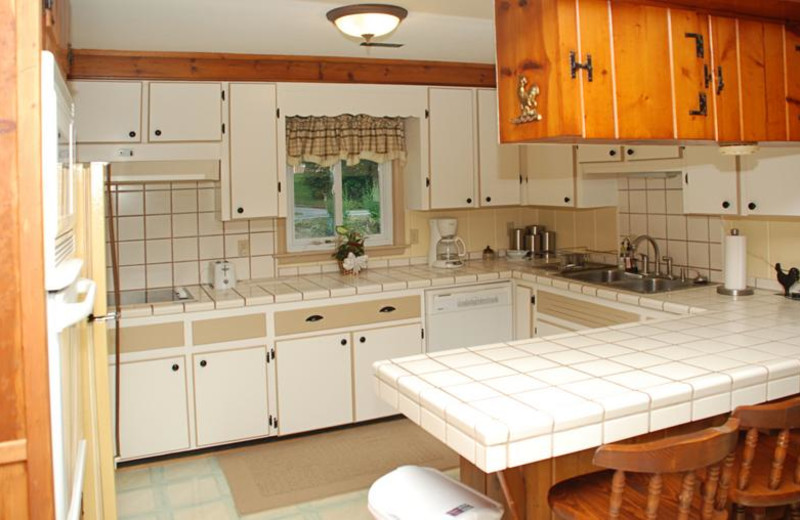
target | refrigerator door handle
x=68, y=314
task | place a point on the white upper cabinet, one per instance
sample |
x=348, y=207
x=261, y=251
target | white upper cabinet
x=651, y=152
x=599, y=153
x=709, y=182
x=770, y=182
x=499, y=165
x=550, y=173
x=452, y=148
x=108, y=111
x=253, y=172
x=185, y=112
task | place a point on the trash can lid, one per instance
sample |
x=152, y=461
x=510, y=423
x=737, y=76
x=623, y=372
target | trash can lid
x=418, y=493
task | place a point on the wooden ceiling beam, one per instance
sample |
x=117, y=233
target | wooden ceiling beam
x=194, y=66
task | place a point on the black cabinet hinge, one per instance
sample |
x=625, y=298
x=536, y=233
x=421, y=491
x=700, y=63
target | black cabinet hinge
x=278, y=113
x=272, y=354
x=223, y=95
x=271, y=420
x=223, y=128
x=279, y=187
x=427, y=113
x=427, y=182
x=533, y=300
x=422, y=333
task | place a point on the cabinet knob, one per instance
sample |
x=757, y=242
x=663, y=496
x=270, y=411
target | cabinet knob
x=567, y=199
x=343, y=342
x=158, y=132
x=203, y=363
x=630, y=151
x=612, y=153
x=175, y=367
x=726, y=204
x=469, y=200
x=488, y=199
x=362, y=339
x=752, y=205
x=240, y=210
x=131, y=134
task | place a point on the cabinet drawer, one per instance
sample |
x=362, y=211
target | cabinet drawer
x=235, y=328
x=349, y=315
x=584, y=313
x=147, y=337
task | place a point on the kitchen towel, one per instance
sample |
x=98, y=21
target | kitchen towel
x=735, y=261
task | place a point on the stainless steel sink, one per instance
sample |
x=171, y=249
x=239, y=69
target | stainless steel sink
x=619, y=279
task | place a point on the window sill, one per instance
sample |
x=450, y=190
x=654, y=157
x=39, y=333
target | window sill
x=322, y=256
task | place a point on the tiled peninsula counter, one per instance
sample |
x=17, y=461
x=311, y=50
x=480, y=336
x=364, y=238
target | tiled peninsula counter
x=533, y=410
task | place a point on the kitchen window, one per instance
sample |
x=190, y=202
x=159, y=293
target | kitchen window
x=323, y=197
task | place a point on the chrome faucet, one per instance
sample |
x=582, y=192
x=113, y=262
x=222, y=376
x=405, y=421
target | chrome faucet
x=645, y=259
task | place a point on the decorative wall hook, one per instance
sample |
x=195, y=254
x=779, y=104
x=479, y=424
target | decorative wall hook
x=528, y=105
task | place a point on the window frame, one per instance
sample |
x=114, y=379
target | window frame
x=385, y=238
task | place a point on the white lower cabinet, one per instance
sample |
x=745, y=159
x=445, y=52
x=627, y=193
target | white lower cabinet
x=314, y=383
x=374, y=345
x=230, y=395
x=154, y=416
x=524, y=305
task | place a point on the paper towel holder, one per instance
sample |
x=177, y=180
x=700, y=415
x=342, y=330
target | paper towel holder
x=747, y=291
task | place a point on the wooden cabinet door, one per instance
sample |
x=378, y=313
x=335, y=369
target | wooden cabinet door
x=691, y=62
x=534, y=39
x=793, y=83
x=644, y=95
x=770, y=182
x=154, y=416
x=551, y=175
x=314, y=383
x=230, y=395
x=185, y=112
x=763, y=95
x=709, y=182
x=370, y=346
x=726, y=79
x=253, y=144
x=498, y=163
x=599, y=116
x=107, y=111
x=452, y=148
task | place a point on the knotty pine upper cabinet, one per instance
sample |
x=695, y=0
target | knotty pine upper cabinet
x=725, y=62
x=761, y=69
x=793, y=82
x=540, y=64
x=642, y=70
x=692, y=74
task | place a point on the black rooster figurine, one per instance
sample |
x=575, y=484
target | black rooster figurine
x=787, y=280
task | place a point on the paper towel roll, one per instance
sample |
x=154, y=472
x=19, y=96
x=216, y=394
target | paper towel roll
x=735, y=262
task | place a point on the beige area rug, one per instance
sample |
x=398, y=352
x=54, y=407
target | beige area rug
x=297, y=470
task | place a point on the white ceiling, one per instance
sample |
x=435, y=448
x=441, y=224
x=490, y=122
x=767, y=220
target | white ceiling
x=448, y=30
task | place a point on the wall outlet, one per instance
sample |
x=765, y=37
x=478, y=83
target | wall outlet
x=244, y=247
x=415, y=236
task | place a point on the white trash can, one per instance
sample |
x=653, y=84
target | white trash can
x=416, y=493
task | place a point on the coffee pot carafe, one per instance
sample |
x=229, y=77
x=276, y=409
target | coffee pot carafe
x=446, y=249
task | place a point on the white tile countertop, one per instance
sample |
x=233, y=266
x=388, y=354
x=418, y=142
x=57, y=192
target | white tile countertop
x=507, y=405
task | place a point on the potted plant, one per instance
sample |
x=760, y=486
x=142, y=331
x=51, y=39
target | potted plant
x=350, y=250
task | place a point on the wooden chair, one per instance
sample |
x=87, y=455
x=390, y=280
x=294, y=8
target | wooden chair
x=761, y=461
x=652, y=480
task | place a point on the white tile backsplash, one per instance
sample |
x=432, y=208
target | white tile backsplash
x=169, y=234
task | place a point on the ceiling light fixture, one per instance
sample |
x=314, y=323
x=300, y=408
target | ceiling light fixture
x=367, y=20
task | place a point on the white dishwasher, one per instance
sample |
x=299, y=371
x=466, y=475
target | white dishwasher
x=468, y=316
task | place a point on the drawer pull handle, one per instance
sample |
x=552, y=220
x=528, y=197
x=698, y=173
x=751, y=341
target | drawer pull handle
x=387, y=309
x=314, y=317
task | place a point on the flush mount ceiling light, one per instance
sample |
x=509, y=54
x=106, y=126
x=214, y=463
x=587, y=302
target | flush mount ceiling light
x=367, y=20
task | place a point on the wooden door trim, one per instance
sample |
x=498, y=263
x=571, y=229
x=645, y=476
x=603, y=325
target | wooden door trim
x=196, y=66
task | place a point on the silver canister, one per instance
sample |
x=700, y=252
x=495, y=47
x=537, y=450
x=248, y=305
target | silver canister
x=517, y=239
x=549, y=242
x=533, y=239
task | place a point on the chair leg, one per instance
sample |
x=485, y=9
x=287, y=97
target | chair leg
x=759, y=513
x=795, y=511
x=739, y=512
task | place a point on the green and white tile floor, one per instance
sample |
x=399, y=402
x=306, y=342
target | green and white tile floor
x=196, y=489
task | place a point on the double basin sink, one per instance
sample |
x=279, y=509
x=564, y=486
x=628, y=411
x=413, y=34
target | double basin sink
x=619, y=279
